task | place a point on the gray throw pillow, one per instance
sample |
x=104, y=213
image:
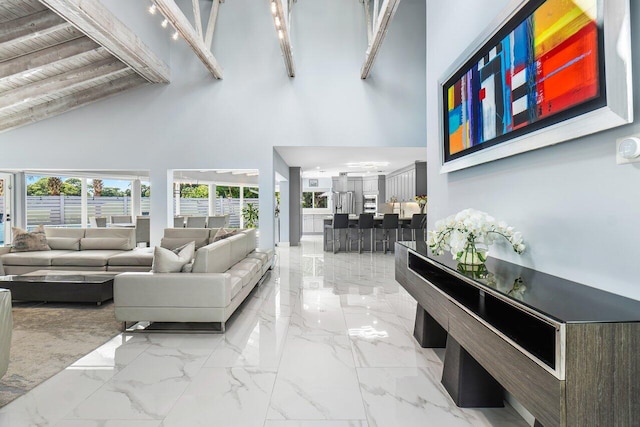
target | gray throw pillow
x=223, y=233
x=167, y=261
x=24, y=241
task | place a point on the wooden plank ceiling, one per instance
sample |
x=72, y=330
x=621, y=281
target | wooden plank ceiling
x=48, y=67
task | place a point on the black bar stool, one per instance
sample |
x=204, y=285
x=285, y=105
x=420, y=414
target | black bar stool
x=417, y=223
x=389, y=222
x=340, y=222
x=365, y=222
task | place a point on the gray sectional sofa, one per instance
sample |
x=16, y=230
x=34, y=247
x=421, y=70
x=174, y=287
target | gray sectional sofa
x=89, y=249
x=223, y=273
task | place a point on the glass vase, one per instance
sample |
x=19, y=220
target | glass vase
x=471, y=255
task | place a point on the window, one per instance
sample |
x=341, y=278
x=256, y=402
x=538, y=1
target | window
x=311, y=200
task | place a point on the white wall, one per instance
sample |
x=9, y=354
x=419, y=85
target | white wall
x=577, y=209
x=197, y=122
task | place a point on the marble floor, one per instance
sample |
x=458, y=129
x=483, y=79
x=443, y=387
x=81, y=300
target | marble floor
x=326, y=341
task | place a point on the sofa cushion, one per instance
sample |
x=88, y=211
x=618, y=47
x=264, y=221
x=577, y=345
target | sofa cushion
x=213, y=258
x=238, y=247
x=251, y=239
x=222, y=233
x=24, y=241
x=64, y=243
x=236, y=286
x=167, y=261
x=105, y=243
x=39, y=258
x=95, y=258
x=191, y=233
x=73, y=233
x=111, y=233
x=244, y=276
x=142, y=257
x=250, y=264
x=264, y=258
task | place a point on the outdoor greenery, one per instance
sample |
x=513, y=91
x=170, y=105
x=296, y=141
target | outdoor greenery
x=201, y=191
x=313, y=200
x=54, y=186
x=250, y=215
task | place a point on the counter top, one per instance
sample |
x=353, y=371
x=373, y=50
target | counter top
x=558, y=298
x=375, y=218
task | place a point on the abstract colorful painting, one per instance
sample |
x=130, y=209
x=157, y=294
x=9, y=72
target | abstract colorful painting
x=547, y=64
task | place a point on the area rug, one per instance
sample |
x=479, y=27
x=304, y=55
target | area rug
x=49, y=337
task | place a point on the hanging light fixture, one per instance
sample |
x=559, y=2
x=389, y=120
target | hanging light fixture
x=153, y=8
x=281, y=24
x=164, y=23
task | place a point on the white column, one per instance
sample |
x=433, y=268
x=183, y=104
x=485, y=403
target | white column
x=241, y=206
x=176, y=195
x=212, y=199
x=161, y=181
x=136, y=198
x=84, y=206
x=267, y=181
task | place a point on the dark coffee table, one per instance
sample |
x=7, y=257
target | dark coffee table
x=60, y=286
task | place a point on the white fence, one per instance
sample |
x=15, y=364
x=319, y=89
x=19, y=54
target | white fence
x=65, y=210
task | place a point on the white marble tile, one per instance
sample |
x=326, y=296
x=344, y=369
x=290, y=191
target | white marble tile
x=224, y=397
x=149, y=386
x=354, y=302
x=115, y=353
x=258, y=343
x=109, y=423
x=316, y=380
x=318, y=313
x=53, y=399
x=316, y=423
x=382, y=340
x=410, y=396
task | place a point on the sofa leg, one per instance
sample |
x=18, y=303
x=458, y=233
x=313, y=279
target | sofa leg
x=124, y=326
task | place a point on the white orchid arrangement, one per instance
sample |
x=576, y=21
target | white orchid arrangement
x=471, y=231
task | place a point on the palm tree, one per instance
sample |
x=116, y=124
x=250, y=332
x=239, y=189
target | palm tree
x=97, y=187
x=54, y=184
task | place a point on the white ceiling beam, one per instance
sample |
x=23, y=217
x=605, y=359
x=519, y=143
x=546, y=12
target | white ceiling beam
x=282, y=25
x=62, y=105
x=368, y=20
x=31, y=26
x=211, y=24
x=65, y=81
x=100, y=24
x=172, y=12
x=54, y=56
x=197, y=19
x=382, y=22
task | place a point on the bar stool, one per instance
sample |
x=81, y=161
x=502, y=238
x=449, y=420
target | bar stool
x=417, y=223
x=365, y=222
x=340, y=222
x=389, y=222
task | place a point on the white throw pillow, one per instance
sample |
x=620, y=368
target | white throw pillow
x=167, y=261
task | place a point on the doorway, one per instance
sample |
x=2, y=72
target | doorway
x=6, y=197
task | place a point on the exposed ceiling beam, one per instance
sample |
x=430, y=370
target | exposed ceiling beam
x=211, y=24
x=46, y=58
x=70, y=102
x=197, y=19
x=368, y=20
x=172, y=12
x=97, y=22
x=31, y=26
x=382, y=21
x=64, y=81
x=282, y=24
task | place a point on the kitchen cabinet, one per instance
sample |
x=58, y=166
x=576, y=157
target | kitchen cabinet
x=406, y=183
x=313, y=223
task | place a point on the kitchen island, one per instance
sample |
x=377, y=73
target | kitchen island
x=403, y=233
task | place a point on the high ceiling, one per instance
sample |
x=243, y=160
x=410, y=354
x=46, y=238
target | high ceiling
x=48, y=66
x=319, y=162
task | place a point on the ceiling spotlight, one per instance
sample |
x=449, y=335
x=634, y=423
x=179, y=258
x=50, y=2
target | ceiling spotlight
x=280, y=34
x=152, y=9
x=165, y=23
x=277, y=22
x=274, y=9
x=175, y=35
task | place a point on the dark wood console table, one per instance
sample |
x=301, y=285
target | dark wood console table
x=568, y=352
